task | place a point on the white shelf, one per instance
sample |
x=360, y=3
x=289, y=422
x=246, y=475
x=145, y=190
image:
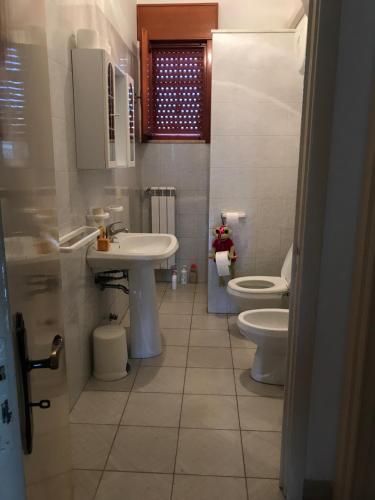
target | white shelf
x=78, y=238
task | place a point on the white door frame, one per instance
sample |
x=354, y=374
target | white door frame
x=329, y=231
x=356, y=448
x=317, y=116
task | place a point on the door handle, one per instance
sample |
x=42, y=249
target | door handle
x=25, y=367
x=54, y=359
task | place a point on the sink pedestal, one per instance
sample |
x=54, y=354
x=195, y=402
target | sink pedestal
x=144, y=317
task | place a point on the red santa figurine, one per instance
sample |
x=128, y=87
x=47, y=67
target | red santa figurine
x=223, y=243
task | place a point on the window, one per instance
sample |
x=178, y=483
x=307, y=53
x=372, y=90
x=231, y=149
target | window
x=178, y=81
x=175, y=48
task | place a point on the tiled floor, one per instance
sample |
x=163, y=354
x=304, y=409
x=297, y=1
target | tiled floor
x=187, y=425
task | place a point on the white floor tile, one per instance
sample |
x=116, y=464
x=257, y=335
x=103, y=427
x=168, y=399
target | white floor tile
x=201, y=288
x=238, y=340
x=209, y=322
x=143, y=449
x=246, y=386
x=214, y=381
x=201, y=298
x=150, y=409
x=200, y=308
x=170, y=356
x=174, y=321
x=176, y=308
x=243, y=358
x=264, y=489
x=209, y=338
x=94, y=407
x=175, y=336
x=134, y=486
x=210, y=357
x=262, y=414
x=178, y=296
x=209, y=452
x=159, y=379
x=85, y=484
x=262, y=453
x=141, y=456
x=211, y=412
x=209, y=488
x=123, y=385
x=91, y=445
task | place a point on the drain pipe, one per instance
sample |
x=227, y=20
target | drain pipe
x=104, y=280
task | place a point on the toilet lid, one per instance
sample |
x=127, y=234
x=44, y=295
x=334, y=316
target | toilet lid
x=286, y=270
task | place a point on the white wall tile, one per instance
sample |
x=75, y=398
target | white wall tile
x=256, y=114
x=254, y=151
x=186, y=167
x=84, y=305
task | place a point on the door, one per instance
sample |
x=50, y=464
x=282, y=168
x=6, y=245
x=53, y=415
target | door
x=317, y=117
x=30, y=238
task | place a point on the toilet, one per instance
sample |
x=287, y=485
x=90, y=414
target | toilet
x=257, y=292
x=268, y=329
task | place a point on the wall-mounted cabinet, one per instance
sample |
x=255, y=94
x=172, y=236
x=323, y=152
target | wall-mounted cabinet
x=104, y=111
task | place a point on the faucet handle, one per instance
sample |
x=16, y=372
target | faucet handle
x=117, y=227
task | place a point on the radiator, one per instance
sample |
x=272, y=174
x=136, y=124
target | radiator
x=163, y=214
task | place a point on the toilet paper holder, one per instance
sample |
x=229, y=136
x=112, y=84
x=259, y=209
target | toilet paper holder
x=238, y=213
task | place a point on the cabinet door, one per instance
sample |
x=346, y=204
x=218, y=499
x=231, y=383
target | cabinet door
x=145, y=83
x=111, y=132
x=130, y=125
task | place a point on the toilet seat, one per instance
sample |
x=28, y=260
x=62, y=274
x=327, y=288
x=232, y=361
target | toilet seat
x=257, y=286
x=267, y=289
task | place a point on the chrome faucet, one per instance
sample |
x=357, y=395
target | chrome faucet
x=116, y=227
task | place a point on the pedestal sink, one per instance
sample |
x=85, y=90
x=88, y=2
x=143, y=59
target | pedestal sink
x=139, y=253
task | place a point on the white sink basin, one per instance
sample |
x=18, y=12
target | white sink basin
x=133, y=249
x=139, y=253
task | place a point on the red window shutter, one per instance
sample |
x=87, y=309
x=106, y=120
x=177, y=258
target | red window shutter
x=178, y=92
x=145, y=83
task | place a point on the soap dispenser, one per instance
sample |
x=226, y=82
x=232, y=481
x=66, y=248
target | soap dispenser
x=103, y=241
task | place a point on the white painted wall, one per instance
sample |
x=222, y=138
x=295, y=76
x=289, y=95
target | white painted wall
x=123, y=16
x=249, y=14
x=255, y=130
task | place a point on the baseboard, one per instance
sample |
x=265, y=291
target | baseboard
x=317, y=490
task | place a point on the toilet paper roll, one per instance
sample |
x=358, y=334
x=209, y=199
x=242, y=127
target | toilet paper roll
x=223, y=263
x=232, y=218
x=87, y=39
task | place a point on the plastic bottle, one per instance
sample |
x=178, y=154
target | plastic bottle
x=174, y=279
x=184, y=275
x=193, y=276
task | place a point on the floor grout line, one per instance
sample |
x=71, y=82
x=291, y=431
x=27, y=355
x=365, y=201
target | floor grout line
x=189, y=348
x=116, y=433
x=236, y=429
x=179, y=423
x=239, y=421
x=128, y=471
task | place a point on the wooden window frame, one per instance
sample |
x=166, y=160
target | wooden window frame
x=192, y=23
x=204, y=135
